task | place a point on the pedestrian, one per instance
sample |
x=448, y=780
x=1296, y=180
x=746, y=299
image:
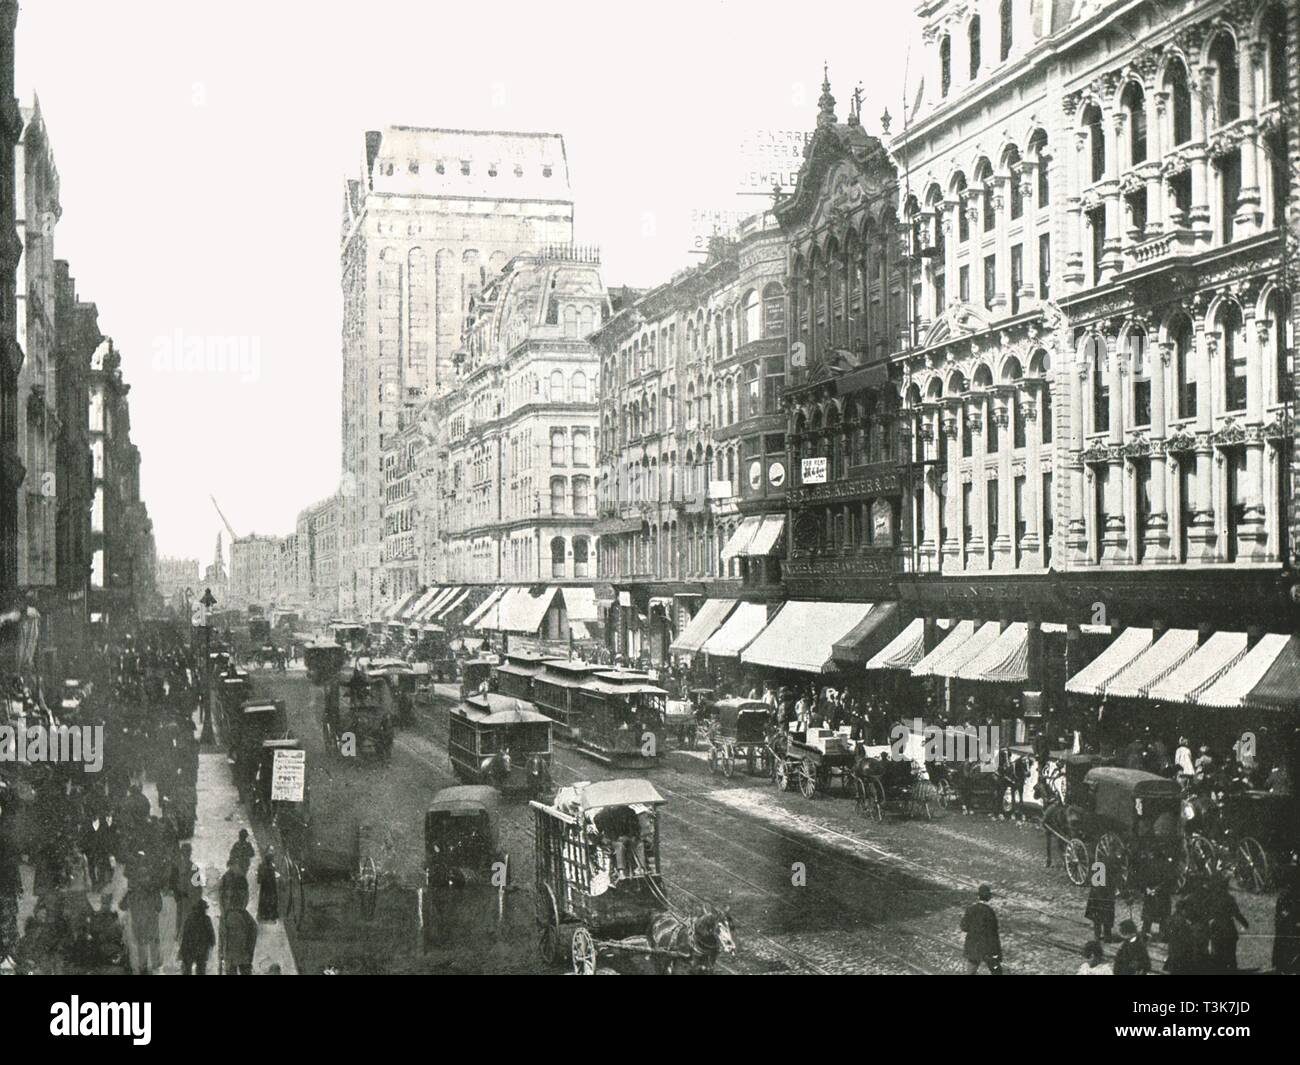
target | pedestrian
x=233, y=891
x=1100, y=909
x=241, y=853
x=1094, y=963
x=143, y=903
x=186, y=887
x=240, y=941
x=1186, y=955
x=1183, y=758
x=1224, y=917
x=983, y=946
x=196, y=940
x=1132, y=958
x=268, y=898
x=1286, y=925
x=1155, y=907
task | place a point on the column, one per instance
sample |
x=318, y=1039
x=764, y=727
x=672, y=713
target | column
x=1002, y=241
x=1112, y=256
x=1003, y=555
x=1155, y=155
x=1029, y=545
x=1073, y=274
x=951, y=223
x=974, y=217
x=1199, y=215
x=952, y=546
x=1201, y=535
x=1114, y=539
x=976, y=548
x=1252, y=537
x=1077, y=538
x=1028, y=178
x=1156, y=535
x=926, y=272
x=1249, y=215
x=930, y=548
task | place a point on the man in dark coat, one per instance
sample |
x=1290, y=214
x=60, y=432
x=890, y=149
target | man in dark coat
x=983, y=945
x=1224, y=918
x=1100, y=909
x=241, y=853
x=1132, y=958
x=1186, y=949
x=240, y=933
x=1286, y=924
x=196, y=940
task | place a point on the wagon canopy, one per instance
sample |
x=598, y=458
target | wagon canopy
x=730, y=711
x=465, y=798
x=627, y=792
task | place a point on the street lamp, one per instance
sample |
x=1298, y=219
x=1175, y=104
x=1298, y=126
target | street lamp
x=207, y=602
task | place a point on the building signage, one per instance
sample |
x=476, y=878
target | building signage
x=771, y=158
x=289, y=776
x=813, y=471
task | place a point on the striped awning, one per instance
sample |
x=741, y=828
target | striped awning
x=904, y=651
x=1237, y=681
x=1279, y=687
x=412, y=608
x=740, y=540
x=1092, y=678
x=982, y=638
x=392, y=610
x=961, y=632
x=705, y=623
x=446, y=608
x=768, y=536
x=473, y=617
x=580, y=604
x=1201, y=668
x=1005, y=660
x=1152, y=665
x=738, y=631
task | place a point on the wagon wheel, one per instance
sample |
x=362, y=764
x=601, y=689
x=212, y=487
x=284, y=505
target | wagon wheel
x=728, y=762
x=781, y=773
x=1252, y=873
x=502, y=889
x=428, y=915
x=1076, y=862
x=368, y=886
x=713, y=759
x=751, y=761
x=295, y=897
x=873, y=797
x=583, y=949
x=548, y=916
x=808, y=778
x=1203, y=856
x=1113, y=855
x=944, y=794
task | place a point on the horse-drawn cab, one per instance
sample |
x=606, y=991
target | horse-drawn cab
x=1245, y=835
x=461, y=851
x=476, y=672
x=265, y=785
x=494, y=739
x=258, y=720
x=230, y=690
x=1128, y=821
x=740, y=729
x=401, y=679
x=324, y=659
x=358, y=714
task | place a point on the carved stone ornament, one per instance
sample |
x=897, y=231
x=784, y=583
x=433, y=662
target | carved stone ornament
x=1097, y=453
x=1136, y=447
x=1230, y=432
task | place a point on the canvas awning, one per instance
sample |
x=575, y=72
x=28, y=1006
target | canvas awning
x=768, y=537
x=961, y=632
x=703, y=625
x=419, y=604
x=1238, y=680
x=740, y=540
x=738, y=631
x=1152, y=665
x=904, y=651
x=578, y=630
x=476, y=615
x=981, y=639
x=1201, y=668
x=441, y=612
x=1279, y=687
x=580, y=604
x=802, y=635
x=431, y=608
x=392, y=610
x=519, y=610
x=1092, y=678
x=868, y=635
x=1005, y=660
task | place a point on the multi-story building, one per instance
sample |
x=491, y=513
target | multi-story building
x=175, y=577
x=254, y=571
x=318, y=545
x=12, y=469
x=433, y=214
x=692, y=439
x=37, y=196
x=517, y=440
x=401, y=507
x=1086, y=388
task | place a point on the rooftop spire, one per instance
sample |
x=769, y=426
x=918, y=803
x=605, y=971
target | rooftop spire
x=826, y=103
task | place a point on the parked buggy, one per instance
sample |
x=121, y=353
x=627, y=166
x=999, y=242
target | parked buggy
x=1243, y=835
x=809, y=761
x=463, y=859
x=898, y=784
x=358, y=716
x=740, y=731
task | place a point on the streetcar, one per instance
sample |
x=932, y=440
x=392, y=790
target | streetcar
x=618, y=717
x=554, y=688
x=515, y=675
x=495, y=739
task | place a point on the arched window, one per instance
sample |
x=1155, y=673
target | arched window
x=1015, y=199
x=1038, y=150
x=973, y=37
x=558, y=493
x=1280, y=345
x=1139, y=360
x=959, y=194
x=581, y=496
x=1227, y=101
x=945, y=65
x=773, y=309
x=1006, y=26
x=557, y=556
x=578, y=387
x=557, y=447
x=581, y=556
x=1134, y=104
x=983, y=177
x=570, y=321
x=1096, y=140
x=1274, y=30
x=1180, y=103
x=557, y=386
x=1234, y=357
x=753, y=392
x=750, y=309
x=1098, y=362
x=580, y=448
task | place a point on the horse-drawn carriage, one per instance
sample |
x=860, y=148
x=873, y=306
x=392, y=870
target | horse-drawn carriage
x=494, y=739
x=740, y=731
x=463, y=860
x=809, y=760
x=358, y=715
x=1244, y=835
x=1127, y=821
x=257, y=720
x=324, y=659
x=600, y=885
x=683, y=718
x=402, y=680
x=898, y=784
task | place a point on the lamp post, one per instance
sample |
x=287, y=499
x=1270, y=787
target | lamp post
x=207, y=602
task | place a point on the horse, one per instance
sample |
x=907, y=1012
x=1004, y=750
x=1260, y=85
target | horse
x=1059, y=820
x=703, y=938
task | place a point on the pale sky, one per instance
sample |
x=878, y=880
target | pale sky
x=202, y=149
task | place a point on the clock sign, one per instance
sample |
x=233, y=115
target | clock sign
x=755, y=475
x=776, y=474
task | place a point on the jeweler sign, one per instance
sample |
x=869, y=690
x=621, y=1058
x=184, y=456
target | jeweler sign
x=813, y=471
x=771, y=158
x=289, y=776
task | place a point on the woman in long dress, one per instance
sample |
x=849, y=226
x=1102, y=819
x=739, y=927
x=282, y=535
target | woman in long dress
x=268, y=895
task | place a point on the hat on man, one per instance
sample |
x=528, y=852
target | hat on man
x=985, y=893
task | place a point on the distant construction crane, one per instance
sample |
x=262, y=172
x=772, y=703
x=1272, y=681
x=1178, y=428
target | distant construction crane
x=224, y=521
